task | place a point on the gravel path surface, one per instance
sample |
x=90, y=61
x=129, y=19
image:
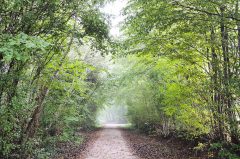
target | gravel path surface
x=109, y=145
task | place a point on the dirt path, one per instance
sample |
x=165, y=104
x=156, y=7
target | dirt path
x=147, y=147
x=114, y=142
x=109, y=145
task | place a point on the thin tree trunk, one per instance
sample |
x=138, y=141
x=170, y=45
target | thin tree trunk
x=226, y=81
x=217, y=110
x=238, y=31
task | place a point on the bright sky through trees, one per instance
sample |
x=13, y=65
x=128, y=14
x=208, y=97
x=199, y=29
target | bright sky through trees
x=114, y=10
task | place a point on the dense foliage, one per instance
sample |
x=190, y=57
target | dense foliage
x=46, y=86
x=176, y=70
x=184, y=75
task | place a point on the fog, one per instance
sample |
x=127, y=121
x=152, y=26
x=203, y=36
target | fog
x=112, y=115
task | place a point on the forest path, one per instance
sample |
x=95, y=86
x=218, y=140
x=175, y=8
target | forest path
x=109, y=145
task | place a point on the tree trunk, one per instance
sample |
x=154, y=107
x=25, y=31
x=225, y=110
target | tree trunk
x=216, y=99
x=34, y=122
x=227, y=100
